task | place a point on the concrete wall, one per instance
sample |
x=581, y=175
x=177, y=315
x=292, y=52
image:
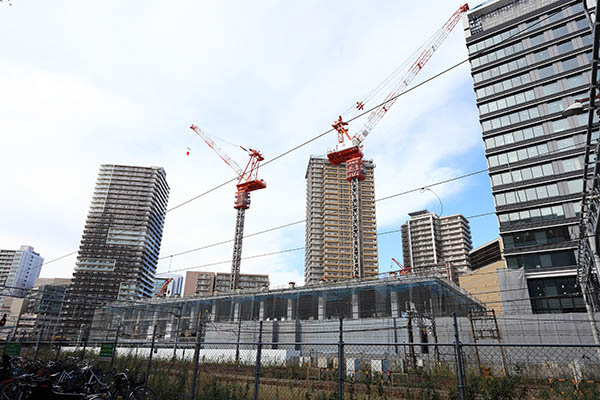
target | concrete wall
x=534, y=329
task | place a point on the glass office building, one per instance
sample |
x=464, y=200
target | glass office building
x=530, y=59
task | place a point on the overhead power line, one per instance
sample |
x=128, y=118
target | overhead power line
x=369, y=110
x=350, y=120
x=278, y=252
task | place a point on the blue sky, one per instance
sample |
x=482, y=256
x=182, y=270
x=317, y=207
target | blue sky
x=86, y=83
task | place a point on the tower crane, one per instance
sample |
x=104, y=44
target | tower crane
x=403, y=270
x=349, y=148
x=247, y=182
x=163, y=288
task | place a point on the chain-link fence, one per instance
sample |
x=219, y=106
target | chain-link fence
x=192, y=366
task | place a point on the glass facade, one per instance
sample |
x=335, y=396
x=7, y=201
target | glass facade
x=354, y=301
x=555, y=295
x=529, y=62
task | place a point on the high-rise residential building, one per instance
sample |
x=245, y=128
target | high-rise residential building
x=121, y=240
x=18, y=270
x=328, y=223
x=174, y=287
x=210, y=283
x=428, y=239
x=530, y=60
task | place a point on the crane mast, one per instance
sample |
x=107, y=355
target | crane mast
x=349, y=148
x=247, y=182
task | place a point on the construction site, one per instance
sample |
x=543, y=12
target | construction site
x=514, y=318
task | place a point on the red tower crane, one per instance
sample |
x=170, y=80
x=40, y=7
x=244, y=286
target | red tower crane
x=349, y=148
x=247, y=182
x=163, y=289
x=403, y=270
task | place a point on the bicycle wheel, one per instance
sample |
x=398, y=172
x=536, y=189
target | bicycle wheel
x=142, y=393
x=119, y=394
x=12, y=391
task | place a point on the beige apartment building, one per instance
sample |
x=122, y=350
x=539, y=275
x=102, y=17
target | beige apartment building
x=328, y=223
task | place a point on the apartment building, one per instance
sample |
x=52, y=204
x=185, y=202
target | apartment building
x=328, y=223
x=428, y=239
x=121, y=240
x=18, y=270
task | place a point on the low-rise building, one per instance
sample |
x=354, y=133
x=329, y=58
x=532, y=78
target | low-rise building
x=483, y=282
x=209, y=283
x=38, y=314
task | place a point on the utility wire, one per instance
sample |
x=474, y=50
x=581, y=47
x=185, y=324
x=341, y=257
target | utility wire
x=529, y=28
x=391, y=99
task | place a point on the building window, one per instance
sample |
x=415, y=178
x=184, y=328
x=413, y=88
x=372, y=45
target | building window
x=506, y=120
x=560, y=125
x=531, y=216
x=555, y=106
x=519, y=175
x=560, y=31
x=565, y=47
x=555, y=17
x=582, y=23
x=575, y=81
x=529, y=194
x=550, y=89
x=518, y=155
x=587, y=40
x=575, y=186
x=536, y=40
x=562, y=258
x=570, y=63
x=542, y=55
x=546, y=72
x=537, y=237
x=555, y=295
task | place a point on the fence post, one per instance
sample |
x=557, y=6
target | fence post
x=177, y=330
x=112, y=358
x=37, y=343
x=59, y=346
x=150, y=358
x=196, y=357
x=258, y=350
x=395, y=336
x=341, y=366
x=411, y=340
x=85, y=341
x=237, y=347
x=459, y=365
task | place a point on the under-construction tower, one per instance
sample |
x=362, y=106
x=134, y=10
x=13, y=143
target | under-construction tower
x=349, y=148
x=328, y=219
x=247, y=182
